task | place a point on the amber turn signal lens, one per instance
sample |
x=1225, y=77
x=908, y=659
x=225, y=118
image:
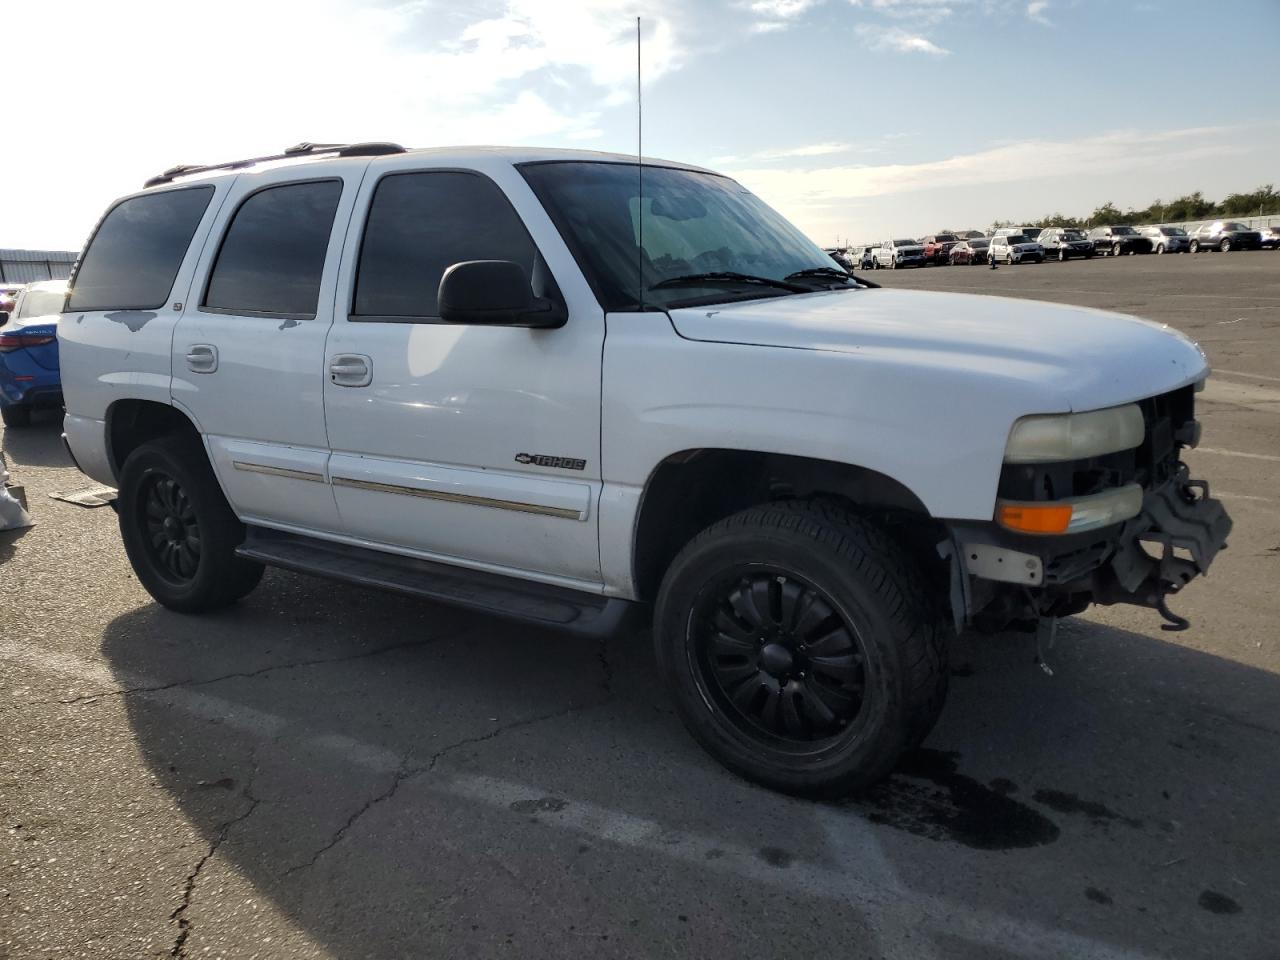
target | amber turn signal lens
x=1030, y=518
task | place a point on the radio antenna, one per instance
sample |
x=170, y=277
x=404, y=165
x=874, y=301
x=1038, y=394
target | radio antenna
x=640, y=174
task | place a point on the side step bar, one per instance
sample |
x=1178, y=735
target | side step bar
x=556, y=607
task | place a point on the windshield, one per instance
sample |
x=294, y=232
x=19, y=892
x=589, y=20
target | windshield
x=905, y=243
x=945, y=238
x=1123, y=231
x=979, y=242
x=1173, y=231
x=40, y=303
x=1234, y=226
x=687, y=223
x=1072, y=235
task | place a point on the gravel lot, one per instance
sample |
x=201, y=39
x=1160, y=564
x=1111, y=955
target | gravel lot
x=328, y=772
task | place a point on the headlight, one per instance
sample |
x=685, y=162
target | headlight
x=1074, y=436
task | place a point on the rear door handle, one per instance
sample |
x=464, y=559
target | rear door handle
x=351, y=370
x=202, y=358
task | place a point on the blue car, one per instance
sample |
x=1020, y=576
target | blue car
x=29, y=375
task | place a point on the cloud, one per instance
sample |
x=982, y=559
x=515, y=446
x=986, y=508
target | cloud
x=775, y=15
x=1036, y=9
x=898, y=40
x=419, y=72
x=920, y=12
x=795, y=187
x=781, y=9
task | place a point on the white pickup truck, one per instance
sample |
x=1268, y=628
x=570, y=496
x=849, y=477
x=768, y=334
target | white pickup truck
x=559, y=386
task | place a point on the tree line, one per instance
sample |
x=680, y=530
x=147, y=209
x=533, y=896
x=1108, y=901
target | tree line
x=1265, y=200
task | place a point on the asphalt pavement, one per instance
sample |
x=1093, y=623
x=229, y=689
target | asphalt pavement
x=324, y=771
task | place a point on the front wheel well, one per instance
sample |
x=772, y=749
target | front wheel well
x=690, y=490
x=131, y=423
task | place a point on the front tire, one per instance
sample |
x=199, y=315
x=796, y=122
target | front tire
x=1225, y=245
x=1115, y=250
x=16, y=416
x=1195, y=246
x=802, y=647
x=178, y=529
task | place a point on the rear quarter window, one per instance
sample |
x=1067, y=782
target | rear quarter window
x=134, y=256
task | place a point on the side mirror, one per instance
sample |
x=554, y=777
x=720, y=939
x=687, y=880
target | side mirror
x=496, y=293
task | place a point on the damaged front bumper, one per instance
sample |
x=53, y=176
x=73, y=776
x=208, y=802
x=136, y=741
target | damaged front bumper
x=1002, y=580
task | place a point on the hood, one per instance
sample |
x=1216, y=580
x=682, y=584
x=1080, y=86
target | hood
x=1061, y=357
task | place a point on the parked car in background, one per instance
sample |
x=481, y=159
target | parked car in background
x=1167, y=239
x=1224, y=235
x=1030, y=233
x=937, y=246
x=1117, y=240
x=8, y=296
x=1064, y=243
x=899, y=253
x=1016, y=248
x=867, y=257
x=29, y=353
x=1270, y=238
x=970, y=251
x=841, y=255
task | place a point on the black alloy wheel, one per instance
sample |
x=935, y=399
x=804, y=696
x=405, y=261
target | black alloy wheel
x=803, y=646
x=779, y=657
x=179, y=531
x=172, y=528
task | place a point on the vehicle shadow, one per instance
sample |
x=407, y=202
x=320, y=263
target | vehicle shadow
x=38, y=445
x=400, y=779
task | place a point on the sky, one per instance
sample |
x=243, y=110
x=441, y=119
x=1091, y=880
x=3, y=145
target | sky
x=857, y=119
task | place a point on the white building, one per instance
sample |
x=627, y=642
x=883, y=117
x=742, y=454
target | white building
x=27, y=266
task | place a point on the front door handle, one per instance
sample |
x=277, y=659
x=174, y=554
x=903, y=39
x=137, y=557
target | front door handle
x=202, y=358
x=351, y=370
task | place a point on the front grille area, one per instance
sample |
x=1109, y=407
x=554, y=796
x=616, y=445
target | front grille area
x=1150, y=465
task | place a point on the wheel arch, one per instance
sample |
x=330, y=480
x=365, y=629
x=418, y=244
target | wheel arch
x=131, y=423
x=692, y=489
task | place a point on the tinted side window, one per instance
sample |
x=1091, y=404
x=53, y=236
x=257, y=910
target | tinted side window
x=134, y=255
x=419, y=225
x=273, y=252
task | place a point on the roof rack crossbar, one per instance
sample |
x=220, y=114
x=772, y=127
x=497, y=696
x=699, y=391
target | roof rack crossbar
x=374, y=149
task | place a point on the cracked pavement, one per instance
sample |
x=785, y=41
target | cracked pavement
x=328, y=772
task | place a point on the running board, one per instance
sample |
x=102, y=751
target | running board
x=556, y=607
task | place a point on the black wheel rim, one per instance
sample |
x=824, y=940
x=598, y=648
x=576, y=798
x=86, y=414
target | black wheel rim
x=171, y=532
x=781, y=660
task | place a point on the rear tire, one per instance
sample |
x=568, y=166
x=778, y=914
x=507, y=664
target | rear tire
x=1115, y=250
x=178, y=529
x=1160, y=249
x=16, y=416
x=802, y=647
x=1225, y=245
x=1195, y=246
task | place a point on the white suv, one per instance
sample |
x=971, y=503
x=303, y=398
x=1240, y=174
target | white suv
x=1015, y=248
x=554, y=386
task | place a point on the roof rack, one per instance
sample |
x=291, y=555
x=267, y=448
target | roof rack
x=297, y=150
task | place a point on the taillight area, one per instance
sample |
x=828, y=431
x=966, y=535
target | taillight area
x=16, y=341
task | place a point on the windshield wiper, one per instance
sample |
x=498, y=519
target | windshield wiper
x=728, y=276
x=821, y=273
